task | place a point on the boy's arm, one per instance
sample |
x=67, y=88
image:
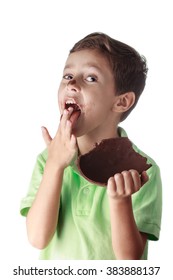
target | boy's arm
x=127, y=241
x=42, y=217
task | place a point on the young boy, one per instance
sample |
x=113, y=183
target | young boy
x=67, y=216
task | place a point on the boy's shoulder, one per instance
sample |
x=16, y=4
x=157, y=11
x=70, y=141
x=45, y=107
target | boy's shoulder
x=154, y=170
x=150, y=160
x=43, y=154
x=42, y=157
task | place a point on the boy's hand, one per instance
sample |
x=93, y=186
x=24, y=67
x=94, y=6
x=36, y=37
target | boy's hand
x=126, y=183
x=62, y=148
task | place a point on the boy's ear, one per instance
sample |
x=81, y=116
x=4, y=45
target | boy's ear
x=124, y=102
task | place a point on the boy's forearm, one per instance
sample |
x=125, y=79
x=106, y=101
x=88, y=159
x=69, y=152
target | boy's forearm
x=42, y=217
x=127, y=241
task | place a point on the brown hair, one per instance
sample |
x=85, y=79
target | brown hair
x=128, y=66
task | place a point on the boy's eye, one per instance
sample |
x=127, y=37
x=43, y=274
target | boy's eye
x=68, y=77
x=91, y=79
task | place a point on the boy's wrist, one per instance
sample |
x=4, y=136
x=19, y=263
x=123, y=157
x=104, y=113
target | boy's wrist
x=119, y=202
x=50, y=164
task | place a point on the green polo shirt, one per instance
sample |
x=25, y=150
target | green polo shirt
x=83, y=231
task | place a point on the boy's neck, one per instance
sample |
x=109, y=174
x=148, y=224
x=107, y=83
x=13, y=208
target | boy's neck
x=87, y=142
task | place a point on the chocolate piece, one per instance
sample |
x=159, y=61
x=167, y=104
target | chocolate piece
x=109, y=157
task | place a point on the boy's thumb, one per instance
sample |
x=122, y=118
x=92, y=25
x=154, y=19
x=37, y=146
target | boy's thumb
x=46, y=136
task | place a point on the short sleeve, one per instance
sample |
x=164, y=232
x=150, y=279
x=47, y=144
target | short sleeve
x=35, y=181
x=147, y=205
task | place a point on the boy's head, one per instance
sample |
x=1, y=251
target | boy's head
x=129, y=68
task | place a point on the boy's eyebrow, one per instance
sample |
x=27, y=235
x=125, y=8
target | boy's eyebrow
x=68, y=66
x=91, y=65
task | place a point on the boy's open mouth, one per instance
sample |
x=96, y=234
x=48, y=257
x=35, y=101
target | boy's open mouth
x=72, y=105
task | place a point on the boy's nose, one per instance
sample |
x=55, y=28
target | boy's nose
x=72, y=85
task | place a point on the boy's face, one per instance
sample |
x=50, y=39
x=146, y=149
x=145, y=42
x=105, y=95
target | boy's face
x=88, y=82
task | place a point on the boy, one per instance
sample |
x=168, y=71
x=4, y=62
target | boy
x=67, y=216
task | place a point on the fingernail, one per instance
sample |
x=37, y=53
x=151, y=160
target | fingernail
x=43, y=128
x=70, y=109
x=65, y=112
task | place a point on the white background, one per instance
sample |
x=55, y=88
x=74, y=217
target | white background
x=35, y=38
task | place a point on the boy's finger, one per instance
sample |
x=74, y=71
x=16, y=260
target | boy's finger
x=136, y=179
x=144, y=177
x=68, y=129
x=73, y=141
x=66, y=116
x=111, y=187
x=46, y=136
x=64, y=119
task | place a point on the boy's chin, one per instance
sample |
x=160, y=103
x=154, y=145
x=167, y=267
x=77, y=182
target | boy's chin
x=79, y=131
x=76, y=132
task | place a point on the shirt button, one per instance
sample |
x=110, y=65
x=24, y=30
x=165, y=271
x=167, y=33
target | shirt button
x=86, y=191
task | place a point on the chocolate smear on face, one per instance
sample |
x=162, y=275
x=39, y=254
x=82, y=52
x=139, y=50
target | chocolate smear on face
x=109, y=157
